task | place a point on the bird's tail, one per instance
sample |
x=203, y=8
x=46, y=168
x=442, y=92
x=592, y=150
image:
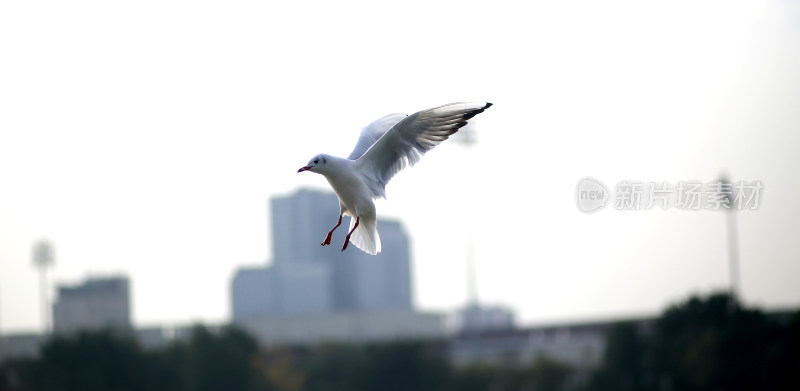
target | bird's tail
x=366, y=236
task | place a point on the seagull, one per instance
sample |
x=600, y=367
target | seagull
x=384, y=148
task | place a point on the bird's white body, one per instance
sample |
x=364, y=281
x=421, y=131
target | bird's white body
x=385, y=147
x=355, y=200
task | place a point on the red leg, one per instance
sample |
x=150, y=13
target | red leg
x=327, y=240
x=347, y=239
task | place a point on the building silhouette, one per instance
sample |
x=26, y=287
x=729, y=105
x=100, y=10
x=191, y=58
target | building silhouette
x=302, y=287
x=359, y=281
x=308, y=278
x=312, y=292
x=477, y=318
x=96, y=304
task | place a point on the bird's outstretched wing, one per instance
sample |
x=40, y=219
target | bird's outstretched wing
x=372, y=132
x=405, y=142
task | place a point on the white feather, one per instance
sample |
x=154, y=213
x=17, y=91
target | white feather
x=405, y=143
x=366, y=235
x=385, y=147
x=372, y=132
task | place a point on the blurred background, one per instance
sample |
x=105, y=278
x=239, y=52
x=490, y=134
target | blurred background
x=148, y=158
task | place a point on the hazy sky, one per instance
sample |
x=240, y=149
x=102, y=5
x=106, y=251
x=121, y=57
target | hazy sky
x=146, y=138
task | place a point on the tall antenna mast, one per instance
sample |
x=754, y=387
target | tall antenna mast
x=467, y=138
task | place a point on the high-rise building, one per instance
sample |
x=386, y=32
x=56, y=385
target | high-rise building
x=359, y=281
x=308, y=278
x=97, y=304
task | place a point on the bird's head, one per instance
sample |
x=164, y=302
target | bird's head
x=318, y=164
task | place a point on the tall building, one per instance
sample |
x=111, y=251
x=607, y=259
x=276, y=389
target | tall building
x=313, y=293
x=308, y=278
x=97, y=304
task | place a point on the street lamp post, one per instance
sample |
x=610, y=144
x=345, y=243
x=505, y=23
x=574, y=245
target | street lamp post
x=42, y=259
x=733, y=254
x=733, y=240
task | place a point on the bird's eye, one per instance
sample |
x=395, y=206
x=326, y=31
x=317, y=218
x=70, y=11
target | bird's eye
x=316, y=161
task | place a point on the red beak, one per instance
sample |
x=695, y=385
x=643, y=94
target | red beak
x=304, y=169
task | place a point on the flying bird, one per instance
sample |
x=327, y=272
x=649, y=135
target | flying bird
x=384, y=147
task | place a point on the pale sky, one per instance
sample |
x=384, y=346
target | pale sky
x=145, y=138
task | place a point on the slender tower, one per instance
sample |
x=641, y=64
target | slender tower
x=733, y=239
x=466, y=137
x=42, y=259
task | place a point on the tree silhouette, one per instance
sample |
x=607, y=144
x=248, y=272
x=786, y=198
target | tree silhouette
x=707, y=343
x=704, y=344
x=88, y=362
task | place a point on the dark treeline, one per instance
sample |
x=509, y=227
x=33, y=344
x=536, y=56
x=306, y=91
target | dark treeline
x=701, y=344
x=231, y=360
